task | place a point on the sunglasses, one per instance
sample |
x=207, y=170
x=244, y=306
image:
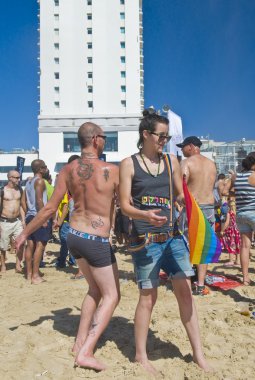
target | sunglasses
x=161, y=136
x=102, y=136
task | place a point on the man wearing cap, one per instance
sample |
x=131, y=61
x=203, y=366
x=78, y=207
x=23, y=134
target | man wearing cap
x=200, y=175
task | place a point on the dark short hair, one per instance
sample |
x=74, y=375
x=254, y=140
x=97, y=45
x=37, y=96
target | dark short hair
x=248, y=161
x=72, y=158
x=36, y=165
x=149, y=122
x=221, y=176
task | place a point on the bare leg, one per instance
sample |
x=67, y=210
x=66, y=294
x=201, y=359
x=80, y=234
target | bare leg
x=29, y=257
x=188, y=314
x=3, y=258
x=143, y=312
x=39, y=249
x=201, y=270
x=245, y=256
x=89, y=305
x=107, y=282
x=19, y=257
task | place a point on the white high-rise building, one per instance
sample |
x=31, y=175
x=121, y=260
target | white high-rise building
x=91, y=69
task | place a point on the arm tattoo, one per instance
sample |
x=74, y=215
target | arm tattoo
x=106, y=174
x=84, y=171
x=97, y=223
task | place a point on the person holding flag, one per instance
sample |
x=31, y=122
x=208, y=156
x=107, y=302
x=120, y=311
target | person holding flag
x=200, y=176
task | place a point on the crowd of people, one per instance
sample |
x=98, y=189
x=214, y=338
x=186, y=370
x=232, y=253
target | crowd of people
x=143, y=201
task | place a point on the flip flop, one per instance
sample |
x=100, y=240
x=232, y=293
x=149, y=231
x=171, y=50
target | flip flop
x=80, y=277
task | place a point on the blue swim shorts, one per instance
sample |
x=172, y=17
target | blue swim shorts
x=172, y=257
x=245, y=221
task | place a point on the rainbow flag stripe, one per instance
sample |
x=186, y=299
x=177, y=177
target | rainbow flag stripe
x=204, y=244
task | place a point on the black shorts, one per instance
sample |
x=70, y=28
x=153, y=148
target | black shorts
x=96, y=250
x=43, y=233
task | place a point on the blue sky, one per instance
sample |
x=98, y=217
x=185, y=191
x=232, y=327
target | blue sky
x=199, y=57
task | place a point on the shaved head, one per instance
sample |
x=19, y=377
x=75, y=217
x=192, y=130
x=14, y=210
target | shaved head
x=36, y=165
x=86, y=132
x=13, y=173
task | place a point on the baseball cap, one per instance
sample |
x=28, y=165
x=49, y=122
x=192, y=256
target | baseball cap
x=190, y=140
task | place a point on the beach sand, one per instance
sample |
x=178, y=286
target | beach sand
x=39, y=323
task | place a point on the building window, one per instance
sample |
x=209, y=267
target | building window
x=56, y=3
x=89, y=16
x=56, y=32
x=89, y=2
x=56, y=104
x=56, y=89
x=122, y=2
x=122, y=30
x=123, y=103
x=56, y=75
x=90, y=60
x=90, y=104
x=122, y=15
x=122, y=59
x=123, y=74
x=122, y=45
x=89, y=44
x=56, y=17
x=89, y=30
x=123, y=88
x=56, y=46
x=90, y=75
x=71, y=143
x=90, y=89
x=56, y=60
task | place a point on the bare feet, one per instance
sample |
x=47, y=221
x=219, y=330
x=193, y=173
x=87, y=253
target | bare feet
x=246, y=282
x=18, y=270
x=3, y=269
x=37, y=280
x=89, y=362
x=147, y=366
x=202, y=363
x=76, y=348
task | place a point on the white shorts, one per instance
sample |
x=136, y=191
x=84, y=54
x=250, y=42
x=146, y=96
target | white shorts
x=7, y=231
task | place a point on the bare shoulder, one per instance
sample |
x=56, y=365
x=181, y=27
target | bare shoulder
x=252, y=179
x=127, y=165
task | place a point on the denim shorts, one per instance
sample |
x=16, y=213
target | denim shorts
x=245, y=221
x=172, y=257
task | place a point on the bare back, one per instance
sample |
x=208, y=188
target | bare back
x=11, y=203
x=200, y=174
x=93, y=185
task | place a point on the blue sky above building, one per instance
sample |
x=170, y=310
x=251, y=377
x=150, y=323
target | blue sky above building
x=199, y=58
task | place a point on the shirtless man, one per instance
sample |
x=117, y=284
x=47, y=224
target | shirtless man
x=93, y=184
x=11, y=218
x=200, y=174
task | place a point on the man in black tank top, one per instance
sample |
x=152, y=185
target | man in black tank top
x=146, y=196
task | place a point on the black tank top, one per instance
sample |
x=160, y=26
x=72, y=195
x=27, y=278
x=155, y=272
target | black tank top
x=150, y=193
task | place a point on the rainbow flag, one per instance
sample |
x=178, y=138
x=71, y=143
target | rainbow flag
x=204, y=245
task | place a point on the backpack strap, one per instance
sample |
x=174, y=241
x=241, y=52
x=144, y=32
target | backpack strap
x=171, y=188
